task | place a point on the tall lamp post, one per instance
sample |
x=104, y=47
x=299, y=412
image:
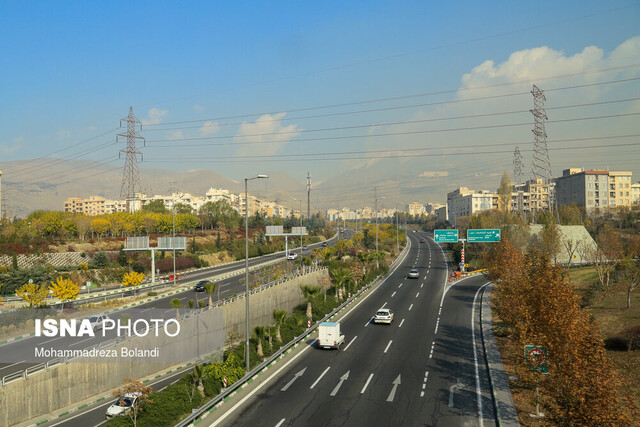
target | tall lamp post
x=246, y=267
x=376, y=207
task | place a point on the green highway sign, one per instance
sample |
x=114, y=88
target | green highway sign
x=445, y=236
x=483, y=235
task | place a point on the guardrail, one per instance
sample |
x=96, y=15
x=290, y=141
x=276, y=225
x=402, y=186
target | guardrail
x=189, y=421
x=191, y=312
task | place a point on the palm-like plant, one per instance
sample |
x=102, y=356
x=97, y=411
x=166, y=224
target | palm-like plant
x=176, y=303
x=259, y=330
x=340, y=276
x=279, y=316
x=198, y=376
x=309, y=292
x=209, y=289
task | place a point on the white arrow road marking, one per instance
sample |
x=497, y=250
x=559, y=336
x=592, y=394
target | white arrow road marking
x=350, y=342
x=295, y=377
x=366, y=384
x=319, y=378
x=456, y=386
x=342, y=379
x=396, y=382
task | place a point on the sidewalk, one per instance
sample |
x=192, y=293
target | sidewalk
x=501, y=392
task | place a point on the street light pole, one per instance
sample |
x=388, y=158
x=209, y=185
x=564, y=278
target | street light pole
x=397, y=230
x=246, y=269
x=376, y=209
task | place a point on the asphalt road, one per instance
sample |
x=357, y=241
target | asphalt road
x=19, y=355
x=420, y=370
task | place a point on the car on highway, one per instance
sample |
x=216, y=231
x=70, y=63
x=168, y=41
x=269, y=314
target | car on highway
x=292, y=256
x=422, y=241
x=305, y=247
x=199, y=287
x=384, y=315
x=413, y=274
x=122, y=405
x=97, y=322
x=324, y=244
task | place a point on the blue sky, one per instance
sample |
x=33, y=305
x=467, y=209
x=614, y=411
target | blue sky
x=70, y=71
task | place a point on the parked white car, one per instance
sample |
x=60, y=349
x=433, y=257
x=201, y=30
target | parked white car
x=384, y=315
x=121, y=405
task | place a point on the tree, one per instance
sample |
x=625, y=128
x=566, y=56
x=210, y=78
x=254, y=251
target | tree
x=65, y=290
x=340, y=276
x=33, y=294
x=182, y=208
x=606, y=254
x=122, y=257
x=309, y=292
x=100, y=226
x=218, y=243
x=571, y=246
x=628, y=272
x=210, y=288
x=504, y=193
x=132, y=279
x=279, y=316
x=155, y=206
x=134, y=388
x=176, y=303
x=194, y=382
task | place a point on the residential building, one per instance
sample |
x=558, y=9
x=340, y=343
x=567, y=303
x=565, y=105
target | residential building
x=94, y=205
x=620, y=193
x=464, y=202
x=73, y=205
x=416, y=208
x=635, y=193
x=442, y=214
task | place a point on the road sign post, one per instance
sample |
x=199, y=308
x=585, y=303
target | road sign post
x=536, y=356
x=445, y=236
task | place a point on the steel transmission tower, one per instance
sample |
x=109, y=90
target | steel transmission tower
x=131, y=172
x=541, y=166
x=518, y=174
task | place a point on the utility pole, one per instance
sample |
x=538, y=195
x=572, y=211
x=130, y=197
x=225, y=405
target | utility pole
x=131, y=172
x=541, y=166
x=375, y=196
x=308, y=198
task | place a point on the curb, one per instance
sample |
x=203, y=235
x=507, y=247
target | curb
x=506, y=413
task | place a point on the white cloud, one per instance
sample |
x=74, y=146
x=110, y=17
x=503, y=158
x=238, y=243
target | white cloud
x=155, y=116
x=210, y=128
x=176, y=135
x=267, y=135
x=63, y=133
x=197, y=107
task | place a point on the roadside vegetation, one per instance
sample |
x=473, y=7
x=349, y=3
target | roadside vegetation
x=351, y=264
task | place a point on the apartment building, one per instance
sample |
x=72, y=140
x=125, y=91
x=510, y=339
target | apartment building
x=73, y=205
x=416, y=208
x=464, y=202
x=635, y=193
x=583, y=188
x=620, y=193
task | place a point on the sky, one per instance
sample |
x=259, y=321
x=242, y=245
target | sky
x=360, y=88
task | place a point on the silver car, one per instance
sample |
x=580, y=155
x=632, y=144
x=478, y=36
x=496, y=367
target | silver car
x=384, y=315
x=413, y=274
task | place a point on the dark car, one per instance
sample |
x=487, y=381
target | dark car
x=199, y=287
x=422, y=241
x=324, y=244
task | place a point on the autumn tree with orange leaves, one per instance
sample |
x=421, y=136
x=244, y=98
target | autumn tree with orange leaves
x=537, y=300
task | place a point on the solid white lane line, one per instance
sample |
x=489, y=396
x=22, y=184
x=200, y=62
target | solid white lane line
x=13, y=364
x=400, y=325
x=388, y=345
x=350, y=342
x=393, y=294
x=280, y=423
x=410, y=307
x=366, y=384
x=80, y=342
x=319, y=378
x=52, y=339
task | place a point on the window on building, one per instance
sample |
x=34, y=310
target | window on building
x=612, y=186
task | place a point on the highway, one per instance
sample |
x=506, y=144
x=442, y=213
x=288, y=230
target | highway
x=19, y=355
x=423, y=369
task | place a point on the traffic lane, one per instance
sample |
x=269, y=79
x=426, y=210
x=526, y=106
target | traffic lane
x=360, y=377
x=457, y=374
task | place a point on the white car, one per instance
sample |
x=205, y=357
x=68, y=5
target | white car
x=384, y=315
x=98, y=321
x=292, y=256
x=121, y=405
x=413, y=274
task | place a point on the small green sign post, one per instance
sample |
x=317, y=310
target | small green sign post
x=483, y=235
x=536, y=356
x=445, y=236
